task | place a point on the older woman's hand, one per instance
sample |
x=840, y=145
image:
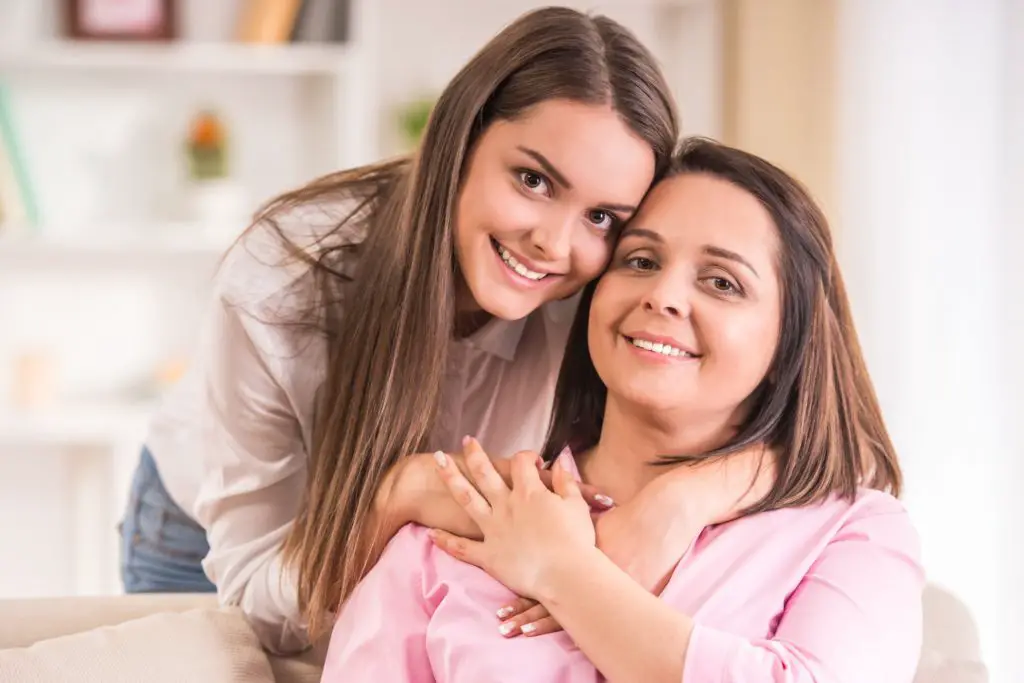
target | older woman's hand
x=528, y=530
x=414, y=492
x=648, y=535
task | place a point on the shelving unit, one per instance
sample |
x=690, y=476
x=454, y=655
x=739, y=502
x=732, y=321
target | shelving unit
x=98, y=426
x=113, y=283
x=152, y=243
x=199, y=57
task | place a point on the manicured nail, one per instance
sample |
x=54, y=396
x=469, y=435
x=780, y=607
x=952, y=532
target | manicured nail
x=441, y=458
x=565, y=459
x=528, y=628
x=505, y=612
x=604, y=500
x=506, y=628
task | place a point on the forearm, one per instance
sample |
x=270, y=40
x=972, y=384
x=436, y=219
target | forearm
x=628, y=633
x=394, y=506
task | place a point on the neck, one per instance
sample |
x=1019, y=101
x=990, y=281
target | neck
x=631, y=440
x=469, y=317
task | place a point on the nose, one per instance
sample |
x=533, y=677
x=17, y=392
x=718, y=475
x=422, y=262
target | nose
x=552, y=239
x=665, y=297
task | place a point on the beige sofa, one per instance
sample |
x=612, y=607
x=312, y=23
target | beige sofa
x=189, y=639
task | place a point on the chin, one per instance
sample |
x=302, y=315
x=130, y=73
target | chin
x=651, y=393
x=503, y=304
x=654, y=405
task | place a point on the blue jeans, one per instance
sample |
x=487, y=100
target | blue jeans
x=162, y=548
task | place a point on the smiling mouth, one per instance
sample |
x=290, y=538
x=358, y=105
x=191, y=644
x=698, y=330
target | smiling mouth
x=513, y=264
x=658, y=347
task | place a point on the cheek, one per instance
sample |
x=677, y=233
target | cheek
x=590, y=254
x=613, y=302
x=744, y=345
x=492, y=205
x=600, y=326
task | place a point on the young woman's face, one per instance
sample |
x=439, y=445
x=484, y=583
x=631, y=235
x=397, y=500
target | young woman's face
x=688, y=316
x=541, y=198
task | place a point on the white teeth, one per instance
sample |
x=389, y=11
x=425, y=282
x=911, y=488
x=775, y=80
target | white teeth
x=515, y=265
x=658, y=347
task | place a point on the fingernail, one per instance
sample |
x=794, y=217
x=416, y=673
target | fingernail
x=565, y=459
x=441, y=458
x=528, y=628
x=506, y=628
x=505, y=612
x=604, y=500
x=466, y=440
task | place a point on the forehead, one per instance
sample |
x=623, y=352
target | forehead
x=590, y=144
x=701, y=209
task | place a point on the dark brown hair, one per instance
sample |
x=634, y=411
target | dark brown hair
x=816, y=409
x=388, y=349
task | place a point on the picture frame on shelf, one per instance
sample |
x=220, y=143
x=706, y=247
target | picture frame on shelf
x=141, y=20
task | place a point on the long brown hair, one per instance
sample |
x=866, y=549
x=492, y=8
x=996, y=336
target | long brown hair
x=388, y=348
x=816, y=409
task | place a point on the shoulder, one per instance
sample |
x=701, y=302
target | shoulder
x=411, y=559
x=878, y=518
x=271, y=262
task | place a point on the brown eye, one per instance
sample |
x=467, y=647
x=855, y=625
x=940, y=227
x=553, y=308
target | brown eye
x=641, y=263
x=533, y=182
x=722, y=285
x=601, y=219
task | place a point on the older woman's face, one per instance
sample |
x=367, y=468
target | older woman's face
x=688, y=315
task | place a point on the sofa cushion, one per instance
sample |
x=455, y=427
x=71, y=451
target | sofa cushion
x=214, y=645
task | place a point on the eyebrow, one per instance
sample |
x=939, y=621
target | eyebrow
x=631, y=231
x=559, y=178
x=709, y=249
x=730, y=255
x=548, y=167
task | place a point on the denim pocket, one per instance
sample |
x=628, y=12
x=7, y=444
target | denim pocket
x=164, y=528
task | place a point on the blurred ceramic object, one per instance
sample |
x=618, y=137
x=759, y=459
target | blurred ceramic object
x=218, y=206
x=35, y=381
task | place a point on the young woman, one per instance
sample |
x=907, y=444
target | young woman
x=722, y=323
x=386, y=311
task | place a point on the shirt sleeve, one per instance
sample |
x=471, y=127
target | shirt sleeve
x=381, y=632
x=855, y=617
x=253, y=460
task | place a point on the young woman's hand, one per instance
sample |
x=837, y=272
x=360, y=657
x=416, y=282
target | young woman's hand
x=416, y=493
x=527, y=529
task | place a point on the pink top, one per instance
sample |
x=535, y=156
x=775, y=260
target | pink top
x=829, y=593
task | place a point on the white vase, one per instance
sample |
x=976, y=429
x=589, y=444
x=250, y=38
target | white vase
x=220, y=207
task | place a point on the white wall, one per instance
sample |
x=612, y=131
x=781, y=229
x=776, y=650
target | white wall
x=1012, y=307
x=923, y=125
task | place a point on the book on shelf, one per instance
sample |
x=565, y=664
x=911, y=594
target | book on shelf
x=18, y=209
x=322, y=21
x=268, y=21
x=296, y=21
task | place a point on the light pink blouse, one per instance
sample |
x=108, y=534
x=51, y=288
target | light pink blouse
x=823, y=594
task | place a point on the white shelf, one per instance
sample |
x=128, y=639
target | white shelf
x=295, y=59
x=160, y=241
x=93, y=425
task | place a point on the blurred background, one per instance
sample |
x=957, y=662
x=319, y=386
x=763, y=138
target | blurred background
x=136, y=136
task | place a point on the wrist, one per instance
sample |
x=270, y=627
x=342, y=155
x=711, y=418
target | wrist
x=400, y=493
x=564, y=571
